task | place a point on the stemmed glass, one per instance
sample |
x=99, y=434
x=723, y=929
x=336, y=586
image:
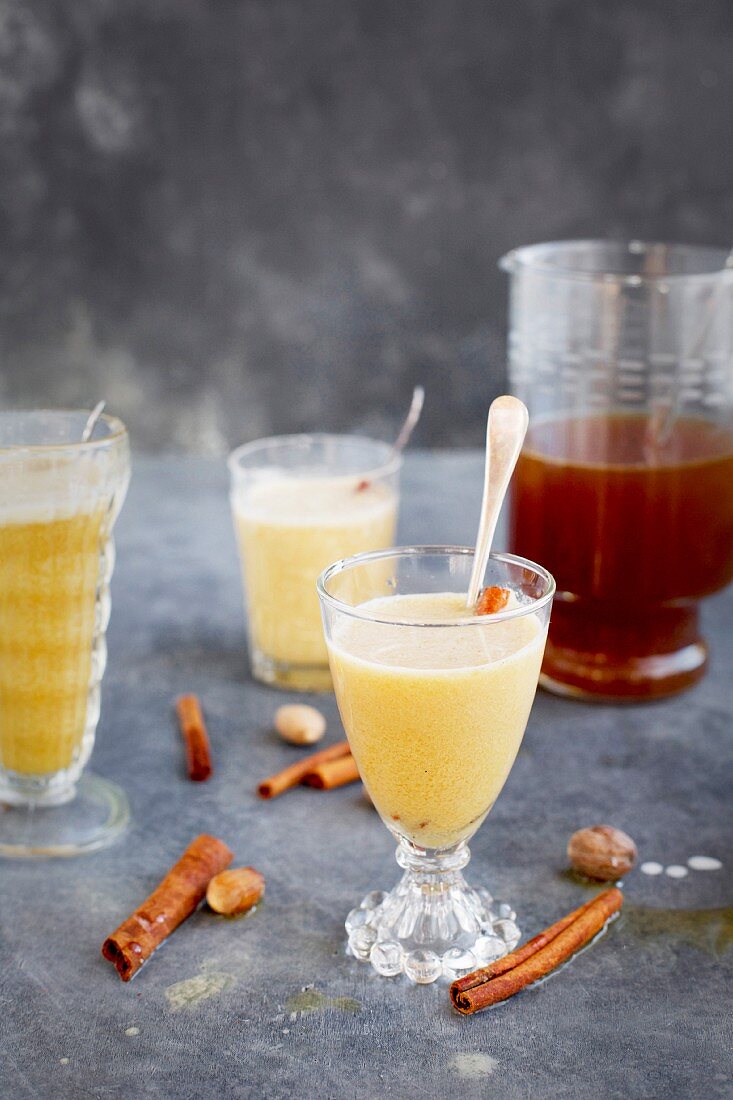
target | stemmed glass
x=434, y=700
x=59, y=499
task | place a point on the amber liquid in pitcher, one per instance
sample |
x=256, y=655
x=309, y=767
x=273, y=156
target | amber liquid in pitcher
x=635, y=527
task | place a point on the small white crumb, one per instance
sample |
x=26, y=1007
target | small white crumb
x=64, y=1061
x=651, y=868
x=286, y=1031
x=676, y=870
x=132, y=1031
x=704, y=863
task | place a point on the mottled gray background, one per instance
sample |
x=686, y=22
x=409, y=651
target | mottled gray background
x=232, y=218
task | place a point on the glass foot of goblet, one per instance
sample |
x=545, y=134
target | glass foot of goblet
x=85, y=818
x=432, y=924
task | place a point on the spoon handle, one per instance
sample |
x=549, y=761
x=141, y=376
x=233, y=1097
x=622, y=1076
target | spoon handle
x=92, y=421
x=505, y=431
x=413, y=415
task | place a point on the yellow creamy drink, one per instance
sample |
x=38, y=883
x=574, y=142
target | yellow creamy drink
x=49, y=570
x=434, y=716
x=63, y=478
x=289, y=530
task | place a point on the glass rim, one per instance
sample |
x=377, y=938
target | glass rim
x=118, y=432
x=344, y=564
x=384, y=469
x=530, y=258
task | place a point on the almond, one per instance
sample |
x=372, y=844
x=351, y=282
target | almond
x=300, y=724
x=235, y=891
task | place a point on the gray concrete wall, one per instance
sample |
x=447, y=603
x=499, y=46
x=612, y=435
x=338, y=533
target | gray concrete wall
x=233, y=218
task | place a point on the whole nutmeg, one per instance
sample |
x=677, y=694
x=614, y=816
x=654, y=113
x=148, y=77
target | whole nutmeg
x=300, y=724
x=602, y=852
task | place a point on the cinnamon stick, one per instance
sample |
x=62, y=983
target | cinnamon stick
x=514, y=958
x=195, y=737
x=168, y=906
x=332, y=773
x=295, y=773
x=535, y=959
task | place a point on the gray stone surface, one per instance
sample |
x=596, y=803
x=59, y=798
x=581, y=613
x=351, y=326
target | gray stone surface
x=644, y=1013
x=236, y=217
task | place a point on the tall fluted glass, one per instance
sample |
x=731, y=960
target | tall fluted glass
x=59, y=499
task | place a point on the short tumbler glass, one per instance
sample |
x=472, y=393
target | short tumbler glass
x=59, y=499
x=300, y=502
x=434, y=701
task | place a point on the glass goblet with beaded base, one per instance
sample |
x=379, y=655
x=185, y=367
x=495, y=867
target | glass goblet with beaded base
x=434, y=700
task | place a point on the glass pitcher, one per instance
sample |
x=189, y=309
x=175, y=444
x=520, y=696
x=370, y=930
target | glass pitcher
x=623, y=353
